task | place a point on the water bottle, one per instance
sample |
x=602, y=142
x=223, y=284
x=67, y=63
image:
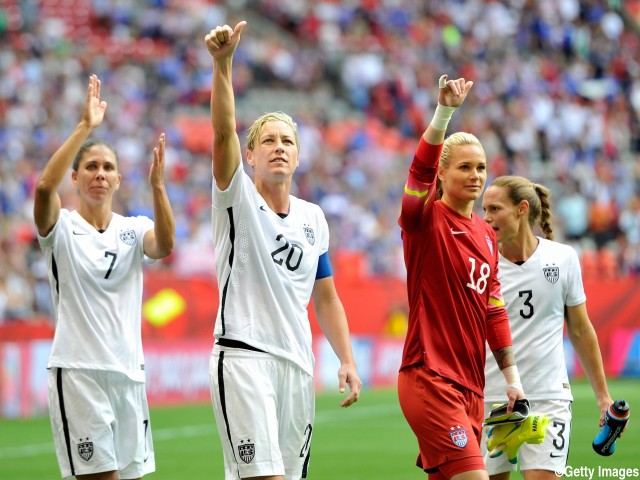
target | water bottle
x=615, y=419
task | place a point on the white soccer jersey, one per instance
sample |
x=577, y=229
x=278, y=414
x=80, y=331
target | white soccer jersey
x=266, y=268
x=536, y=293
x=96, y=287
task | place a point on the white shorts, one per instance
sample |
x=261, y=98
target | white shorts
x=100, y=423
x=264, y=408
x=550, y=454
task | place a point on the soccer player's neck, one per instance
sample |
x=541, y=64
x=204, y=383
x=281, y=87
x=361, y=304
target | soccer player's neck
x=464, y=208
x=519, y=250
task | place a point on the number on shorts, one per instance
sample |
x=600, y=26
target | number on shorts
x=307, y=441
x=146, y=430
x=559, y=445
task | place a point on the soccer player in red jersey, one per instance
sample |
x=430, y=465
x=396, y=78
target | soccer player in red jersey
x=455, y=303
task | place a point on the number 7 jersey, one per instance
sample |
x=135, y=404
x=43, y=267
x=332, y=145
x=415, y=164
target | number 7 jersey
x=96, y=288
x=266, y=268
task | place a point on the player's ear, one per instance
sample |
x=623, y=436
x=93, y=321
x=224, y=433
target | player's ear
x=523, y=207
x=249, y=156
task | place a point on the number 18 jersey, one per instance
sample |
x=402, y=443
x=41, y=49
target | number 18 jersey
x=266, y=268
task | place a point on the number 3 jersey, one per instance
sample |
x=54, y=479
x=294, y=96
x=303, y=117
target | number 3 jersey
x=96, y=288
x=536, y=294
x=266, y=269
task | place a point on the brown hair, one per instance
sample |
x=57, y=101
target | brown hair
x=519, y=189
x=457, y=139
x=254, y=130
x=88, y=145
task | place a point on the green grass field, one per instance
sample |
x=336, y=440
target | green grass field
x=367, y=441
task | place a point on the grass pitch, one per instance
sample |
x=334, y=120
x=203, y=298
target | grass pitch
x=369, y=440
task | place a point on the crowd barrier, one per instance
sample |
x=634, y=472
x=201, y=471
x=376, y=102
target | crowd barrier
x=179, y=317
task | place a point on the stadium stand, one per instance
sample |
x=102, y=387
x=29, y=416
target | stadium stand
x=557, y=98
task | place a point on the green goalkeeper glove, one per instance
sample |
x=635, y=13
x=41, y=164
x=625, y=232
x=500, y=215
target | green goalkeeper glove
x=510, y=436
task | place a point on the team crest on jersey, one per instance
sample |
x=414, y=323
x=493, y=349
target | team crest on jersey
x=552, y=274
x=246, y=451
x=489, y=243
x=308, y=232
x=458, y=436
x=85, y=449
x=128, y=237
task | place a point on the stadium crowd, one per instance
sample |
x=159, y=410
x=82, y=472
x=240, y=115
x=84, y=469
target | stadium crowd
x=556, y=99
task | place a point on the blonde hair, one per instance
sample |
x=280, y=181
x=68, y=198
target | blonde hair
x=256, y=128
x=458, y=139
x=519, y=189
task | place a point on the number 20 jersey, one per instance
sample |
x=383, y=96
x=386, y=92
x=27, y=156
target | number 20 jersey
x=536, y=293
x=266, y=269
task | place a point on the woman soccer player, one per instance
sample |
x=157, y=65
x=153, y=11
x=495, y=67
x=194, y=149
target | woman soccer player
x=97, y=399
x=272, y=257
x=542, y=286
x=454, y=298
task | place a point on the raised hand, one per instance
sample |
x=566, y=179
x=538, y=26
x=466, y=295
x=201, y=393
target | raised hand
x=222, y=41
x=453, y=92
x=94, y=108
x=156, y=172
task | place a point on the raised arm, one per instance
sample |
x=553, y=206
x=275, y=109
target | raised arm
x=222, y=43
x=420, y=186
x=451, y=95
x=333, y=322
x=585, y=342
x=158, y=243
x=46, y=208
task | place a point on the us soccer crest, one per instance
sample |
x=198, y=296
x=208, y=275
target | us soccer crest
x=308, y=232
x=552, y=274
x=85, y=449
x=128, y=237
x=246, y=451
x=458, y=436
x=489, y=243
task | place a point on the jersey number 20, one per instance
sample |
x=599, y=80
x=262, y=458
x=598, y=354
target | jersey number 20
x=289, y=254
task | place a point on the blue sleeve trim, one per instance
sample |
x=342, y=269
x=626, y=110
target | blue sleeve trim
x=324, y=267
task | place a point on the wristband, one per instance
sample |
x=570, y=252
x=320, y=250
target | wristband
x=512, y=377
x=441, y=117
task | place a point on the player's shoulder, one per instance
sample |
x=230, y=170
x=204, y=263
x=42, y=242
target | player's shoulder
x=305, y=206
x=137, y=223
x=560, y=250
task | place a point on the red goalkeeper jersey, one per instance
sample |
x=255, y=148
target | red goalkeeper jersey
x=455, y=303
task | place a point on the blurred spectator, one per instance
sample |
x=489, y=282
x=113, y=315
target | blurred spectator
x=557, y=96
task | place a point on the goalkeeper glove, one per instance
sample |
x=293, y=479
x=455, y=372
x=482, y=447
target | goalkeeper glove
x=499, y=413
x=509, y=437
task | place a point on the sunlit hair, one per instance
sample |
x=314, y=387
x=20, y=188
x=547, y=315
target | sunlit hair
x=256, y=128
x=518, y=189
x=458, y=139
x=88, y=145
